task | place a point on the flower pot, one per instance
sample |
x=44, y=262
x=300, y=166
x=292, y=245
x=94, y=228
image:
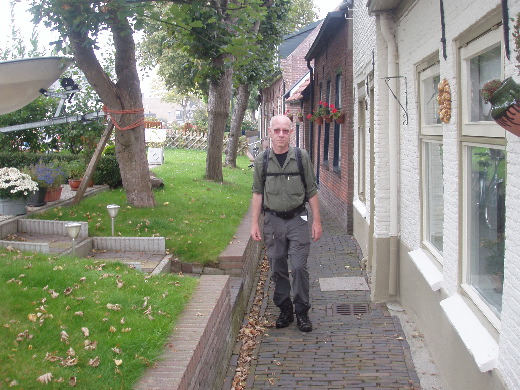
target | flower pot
x=319, y=121
x=13, y=206
x=290, y=117
x=505, y=107
x=300, y=118
x=53, y=194
x=340, y=119
x=74, y=184
x=328, y=118
x=38, y=198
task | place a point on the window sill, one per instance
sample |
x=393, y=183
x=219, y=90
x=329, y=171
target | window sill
x=426, y=267
x=361, y=208
x=474, y=335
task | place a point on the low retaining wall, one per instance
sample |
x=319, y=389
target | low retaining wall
x=40, y=226
x=194, y=347
x=131, y=244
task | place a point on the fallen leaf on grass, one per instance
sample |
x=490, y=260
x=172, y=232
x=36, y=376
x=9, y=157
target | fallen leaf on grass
x=94, y=362
x=72, y=381
x=32, y=317
x=116, y=350
x=45, y=378
x=71, y=352
x=85, y=331
x=79, y=313
x=70, y=361
x=89, y=345
x=51, y=358
x=54, y=294
x=111, y=306
x=64, y=336
x=118, y=362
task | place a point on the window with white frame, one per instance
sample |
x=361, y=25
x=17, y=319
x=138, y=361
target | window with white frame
x=326, y=132
x=361, y=142
x=484, y=176
x=433, y=196
x=336, y=162
x=432, y=158
x=481, y=62
x=484, y=216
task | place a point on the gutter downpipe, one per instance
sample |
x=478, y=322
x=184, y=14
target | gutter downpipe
x=311, y=129
x=387, y=30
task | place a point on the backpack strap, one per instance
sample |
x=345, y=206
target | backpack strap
x=300, y=168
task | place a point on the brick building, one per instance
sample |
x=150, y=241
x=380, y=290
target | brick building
x=332, y=144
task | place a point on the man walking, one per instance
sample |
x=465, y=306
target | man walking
x=281, y=191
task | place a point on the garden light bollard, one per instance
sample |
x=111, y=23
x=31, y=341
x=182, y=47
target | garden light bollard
x=112, y=209
x=73, y=229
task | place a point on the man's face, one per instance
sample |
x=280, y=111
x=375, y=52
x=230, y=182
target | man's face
x=280, y=131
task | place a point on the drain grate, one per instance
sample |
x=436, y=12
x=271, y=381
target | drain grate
x=348, y=309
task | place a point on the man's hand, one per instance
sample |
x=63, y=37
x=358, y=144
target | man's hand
x=316, y=230
x=255, y=232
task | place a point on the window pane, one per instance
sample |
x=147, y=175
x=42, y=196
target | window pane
x=483, y=68
x=486, y=223
x=434, y=193
x=430, y=105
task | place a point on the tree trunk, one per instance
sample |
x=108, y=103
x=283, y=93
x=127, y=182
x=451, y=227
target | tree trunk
x=125, y=96
x=236, y=124
x=218, y=112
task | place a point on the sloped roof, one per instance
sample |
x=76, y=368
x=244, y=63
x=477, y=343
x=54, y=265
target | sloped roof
x=292, y=41
x=329, y=27
x=296, y=92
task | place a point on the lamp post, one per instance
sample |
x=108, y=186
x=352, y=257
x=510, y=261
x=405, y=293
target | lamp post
x=112, y=209
x=73, y=229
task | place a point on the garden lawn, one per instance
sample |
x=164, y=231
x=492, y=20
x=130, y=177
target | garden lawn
x=75, y=322
x=198, y=218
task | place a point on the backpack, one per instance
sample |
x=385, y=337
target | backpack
x=300, y=172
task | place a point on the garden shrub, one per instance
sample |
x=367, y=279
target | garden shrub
x=107, y=172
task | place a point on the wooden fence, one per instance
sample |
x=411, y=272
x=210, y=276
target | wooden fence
x=197, y=140
x=193, y=140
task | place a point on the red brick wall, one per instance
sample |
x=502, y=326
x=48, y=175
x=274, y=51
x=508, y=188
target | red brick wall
x=336, y=187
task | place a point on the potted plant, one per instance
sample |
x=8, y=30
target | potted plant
x=50, y=177
x=336, y=115
x=319, y=113
x=299, y=114
x=289, y=115
x=15, y=187
x=76, y=170
x=505, y=103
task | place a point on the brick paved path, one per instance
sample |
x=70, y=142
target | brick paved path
x=366, y=351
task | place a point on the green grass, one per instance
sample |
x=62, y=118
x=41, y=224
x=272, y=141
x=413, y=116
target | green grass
x=198, y=218
x=33, y=319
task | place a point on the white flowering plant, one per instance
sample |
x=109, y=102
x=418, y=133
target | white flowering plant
x=15, y=184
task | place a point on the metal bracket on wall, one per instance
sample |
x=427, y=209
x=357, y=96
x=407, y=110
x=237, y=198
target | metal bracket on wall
x=405, y=108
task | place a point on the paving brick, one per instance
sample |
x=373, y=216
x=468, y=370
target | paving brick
x=342, y=352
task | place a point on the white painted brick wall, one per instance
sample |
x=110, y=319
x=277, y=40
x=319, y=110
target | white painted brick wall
x=421, y=23
x=364, y=41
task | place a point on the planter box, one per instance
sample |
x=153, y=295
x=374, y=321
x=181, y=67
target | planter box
x=53, y=195
x=13, y=206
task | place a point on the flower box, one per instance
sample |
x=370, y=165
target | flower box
x=13, y=206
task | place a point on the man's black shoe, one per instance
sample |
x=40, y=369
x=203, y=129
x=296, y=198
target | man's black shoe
x=304, y=323
x=285, y=318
